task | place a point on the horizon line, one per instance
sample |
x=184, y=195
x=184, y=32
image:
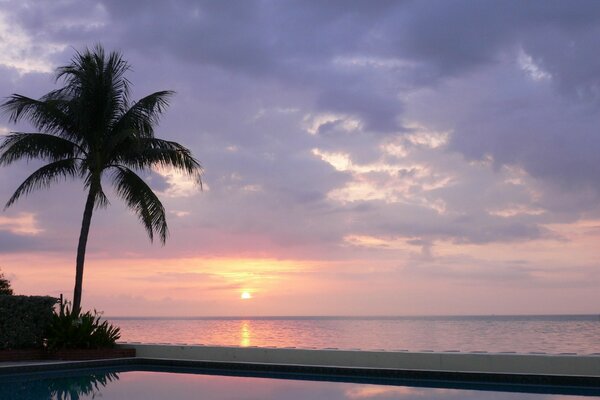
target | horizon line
x=387, y=316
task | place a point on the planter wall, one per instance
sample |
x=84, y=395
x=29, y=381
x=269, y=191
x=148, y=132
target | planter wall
x=90, y=354
x=66, y=355
x=22, y=355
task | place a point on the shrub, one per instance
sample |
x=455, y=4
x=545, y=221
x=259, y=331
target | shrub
x=5, y=285
x=71, y=330
x=24, y=320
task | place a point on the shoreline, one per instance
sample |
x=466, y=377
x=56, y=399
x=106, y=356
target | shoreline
x=517, y=364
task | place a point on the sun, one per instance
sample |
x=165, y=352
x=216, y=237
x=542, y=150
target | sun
x=246, y=296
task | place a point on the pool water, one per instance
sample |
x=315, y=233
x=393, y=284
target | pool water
x=137, y=385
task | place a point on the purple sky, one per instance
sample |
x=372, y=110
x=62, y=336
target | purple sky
x=388, y=157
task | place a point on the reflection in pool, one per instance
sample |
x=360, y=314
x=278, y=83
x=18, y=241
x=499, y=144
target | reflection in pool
x=137, y=385
x=84, y=386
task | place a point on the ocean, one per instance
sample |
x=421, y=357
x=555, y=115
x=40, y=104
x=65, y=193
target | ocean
x=522, y=334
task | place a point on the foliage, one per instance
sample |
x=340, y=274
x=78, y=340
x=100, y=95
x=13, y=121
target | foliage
x=72, y=330
x=5, y=285
x=24, y=320
x=91, y=130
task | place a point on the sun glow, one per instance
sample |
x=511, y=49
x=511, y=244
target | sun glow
x=246, y=296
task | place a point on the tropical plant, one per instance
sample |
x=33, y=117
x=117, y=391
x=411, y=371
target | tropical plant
x=5, y=285
x=90, y=129
x=76, y=330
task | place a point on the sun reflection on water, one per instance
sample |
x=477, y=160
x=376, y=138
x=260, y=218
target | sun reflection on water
x=245, y=333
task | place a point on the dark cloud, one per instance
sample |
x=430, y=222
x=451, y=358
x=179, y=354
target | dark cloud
x=418, y=223
x=251, y=75
x=10, y=242
x=20, y=243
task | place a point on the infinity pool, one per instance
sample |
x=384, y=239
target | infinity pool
x=121, y=383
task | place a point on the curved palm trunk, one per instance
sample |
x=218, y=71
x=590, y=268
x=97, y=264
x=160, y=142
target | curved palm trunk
x=83, y=237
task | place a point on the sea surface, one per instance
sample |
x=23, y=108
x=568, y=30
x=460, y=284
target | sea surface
x=523, y=334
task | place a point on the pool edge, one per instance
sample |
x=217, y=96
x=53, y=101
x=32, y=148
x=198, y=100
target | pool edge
x=520, y=383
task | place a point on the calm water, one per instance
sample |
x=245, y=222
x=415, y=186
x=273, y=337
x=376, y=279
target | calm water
x=550, y=334
x=143, y=385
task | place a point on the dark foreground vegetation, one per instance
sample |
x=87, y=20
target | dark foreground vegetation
x=46, y=323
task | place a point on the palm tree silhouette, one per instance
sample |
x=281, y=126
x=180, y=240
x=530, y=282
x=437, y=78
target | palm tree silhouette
x=90, y=129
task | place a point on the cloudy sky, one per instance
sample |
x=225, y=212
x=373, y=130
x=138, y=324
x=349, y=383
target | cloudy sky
x=361, y=158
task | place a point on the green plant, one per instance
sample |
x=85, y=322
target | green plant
x=90, y=129
x=5, y=285
x=74, y=330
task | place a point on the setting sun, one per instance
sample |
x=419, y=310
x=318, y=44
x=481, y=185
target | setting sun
x=246, y=296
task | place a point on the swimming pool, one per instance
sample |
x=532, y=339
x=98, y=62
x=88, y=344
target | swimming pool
x=154, y=381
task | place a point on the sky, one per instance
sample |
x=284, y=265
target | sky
x=360, y=158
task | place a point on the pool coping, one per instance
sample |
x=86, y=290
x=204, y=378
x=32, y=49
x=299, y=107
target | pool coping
x=523, y=383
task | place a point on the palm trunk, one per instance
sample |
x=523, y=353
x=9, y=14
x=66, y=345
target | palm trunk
x=83, y=237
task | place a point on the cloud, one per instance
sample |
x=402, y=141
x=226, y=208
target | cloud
x=21, y=224
x=18, y=50
x=338, y=130
x=178, y=184
x=10, y=242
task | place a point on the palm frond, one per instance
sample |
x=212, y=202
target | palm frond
x=140, y=119
x=21, y=145
x=47, y=114
x=142, y=200
x=93, y=182
x=117, y=84
x=151, y=152
x=101, y=200
x=43, y=177
x=100, y=91
x=91, y=67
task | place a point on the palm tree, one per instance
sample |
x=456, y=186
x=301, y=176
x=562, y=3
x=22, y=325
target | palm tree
x=90, y=129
